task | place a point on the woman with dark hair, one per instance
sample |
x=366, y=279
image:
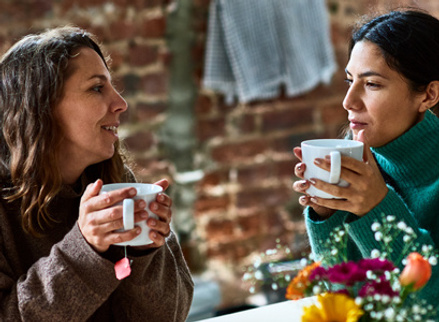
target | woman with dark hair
x=393, y=78
x=58, y=145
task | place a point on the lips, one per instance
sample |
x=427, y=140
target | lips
x=356, y=124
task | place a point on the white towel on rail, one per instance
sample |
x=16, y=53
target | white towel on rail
x=255, y=46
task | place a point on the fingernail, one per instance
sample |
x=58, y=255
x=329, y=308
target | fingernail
x=144, y=214
x=138, y=230
x=328, y=158
x=302, y=199
x=318, y=161
x=132, y=192
x=312, y=181
x=314, y=200
x=161, y=198
x=299, y=167
x=152, y=223
x=142, y=204
x=155, y=206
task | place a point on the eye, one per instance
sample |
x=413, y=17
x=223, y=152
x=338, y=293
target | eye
x=97, y=88
x=348, y=81
x=373, y=85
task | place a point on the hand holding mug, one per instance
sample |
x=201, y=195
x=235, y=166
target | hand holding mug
x=101, y=218
x=366, y=186
x=362, y=190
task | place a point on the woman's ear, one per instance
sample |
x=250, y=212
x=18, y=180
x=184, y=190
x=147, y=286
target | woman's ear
x=431, y=97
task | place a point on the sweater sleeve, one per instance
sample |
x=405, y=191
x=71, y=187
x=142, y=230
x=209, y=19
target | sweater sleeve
x=68, y=285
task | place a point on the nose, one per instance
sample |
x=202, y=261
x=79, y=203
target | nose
x=118, y=103
x=352, y=99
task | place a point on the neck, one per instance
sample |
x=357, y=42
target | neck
x=71, y=169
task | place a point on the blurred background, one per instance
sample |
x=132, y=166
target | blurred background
x=225, y=146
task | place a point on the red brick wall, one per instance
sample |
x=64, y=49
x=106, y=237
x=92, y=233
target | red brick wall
x=245, y=201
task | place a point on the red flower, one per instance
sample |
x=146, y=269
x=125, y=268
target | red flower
x=416, y=273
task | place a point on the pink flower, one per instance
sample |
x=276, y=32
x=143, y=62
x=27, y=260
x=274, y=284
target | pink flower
x=319, y=273
x=416, y=273
x=346, y=273
x=381, y=287
x=376, y=265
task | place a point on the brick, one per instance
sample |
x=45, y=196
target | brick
x=140, y=141
x=288, y=143
x=286, y=119
x=198, y=53
x=212, y=179
x=142, y=55
x=117, y=59
x=154, y=27
x=239, y=151
x=208, y=203
x=250, y=225
x=155, y=84
x=203, y=104
x=148, y=111
x=254, y=175
x=284, y=169
x=165, y=57
x=232, y=251
x=207, y=129
x=262, y=197
x=122, y=29
x=334, y=114
x=274, y=222
x=220, y=230
x=130, y=84
x=244, y=124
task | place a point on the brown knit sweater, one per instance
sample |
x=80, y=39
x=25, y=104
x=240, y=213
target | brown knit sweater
x=59, y=277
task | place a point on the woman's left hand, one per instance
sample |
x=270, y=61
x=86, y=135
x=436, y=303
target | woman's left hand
x=161, y=227
x=366, y=189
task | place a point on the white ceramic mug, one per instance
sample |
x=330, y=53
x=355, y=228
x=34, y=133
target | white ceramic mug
x=145, y=191
x=335, y=148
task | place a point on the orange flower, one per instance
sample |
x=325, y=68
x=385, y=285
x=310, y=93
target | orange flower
x=416, y=273
x=299, y=284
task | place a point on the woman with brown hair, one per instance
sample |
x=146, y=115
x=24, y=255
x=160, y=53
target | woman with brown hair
x=58, y=145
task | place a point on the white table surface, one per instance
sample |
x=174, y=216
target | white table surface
x=288, y=311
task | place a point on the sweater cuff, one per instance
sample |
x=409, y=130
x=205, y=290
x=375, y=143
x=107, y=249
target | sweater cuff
x=319, y=231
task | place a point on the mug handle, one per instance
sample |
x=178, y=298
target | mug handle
x=128, y=214
x=334, y=175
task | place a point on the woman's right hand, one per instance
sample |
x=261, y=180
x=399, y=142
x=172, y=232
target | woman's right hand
x=100, y=217
x=302, y=185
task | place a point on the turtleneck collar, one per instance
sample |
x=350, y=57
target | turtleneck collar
x=412, y=158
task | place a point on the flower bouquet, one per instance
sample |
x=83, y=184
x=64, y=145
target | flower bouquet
x=370, y=289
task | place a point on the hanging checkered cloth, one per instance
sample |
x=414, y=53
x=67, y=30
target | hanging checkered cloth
x=254, y=46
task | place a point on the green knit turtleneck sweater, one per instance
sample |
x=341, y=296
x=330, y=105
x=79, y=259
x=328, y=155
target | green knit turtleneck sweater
x=413, y=197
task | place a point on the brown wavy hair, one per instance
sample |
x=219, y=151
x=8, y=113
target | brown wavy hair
x=32, y=74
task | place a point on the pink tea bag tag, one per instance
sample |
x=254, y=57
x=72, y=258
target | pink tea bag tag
x=123, y=267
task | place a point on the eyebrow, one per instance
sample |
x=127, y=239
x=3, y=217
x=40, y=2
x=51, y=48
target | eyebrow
x=101, y=77
x=366, y=74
